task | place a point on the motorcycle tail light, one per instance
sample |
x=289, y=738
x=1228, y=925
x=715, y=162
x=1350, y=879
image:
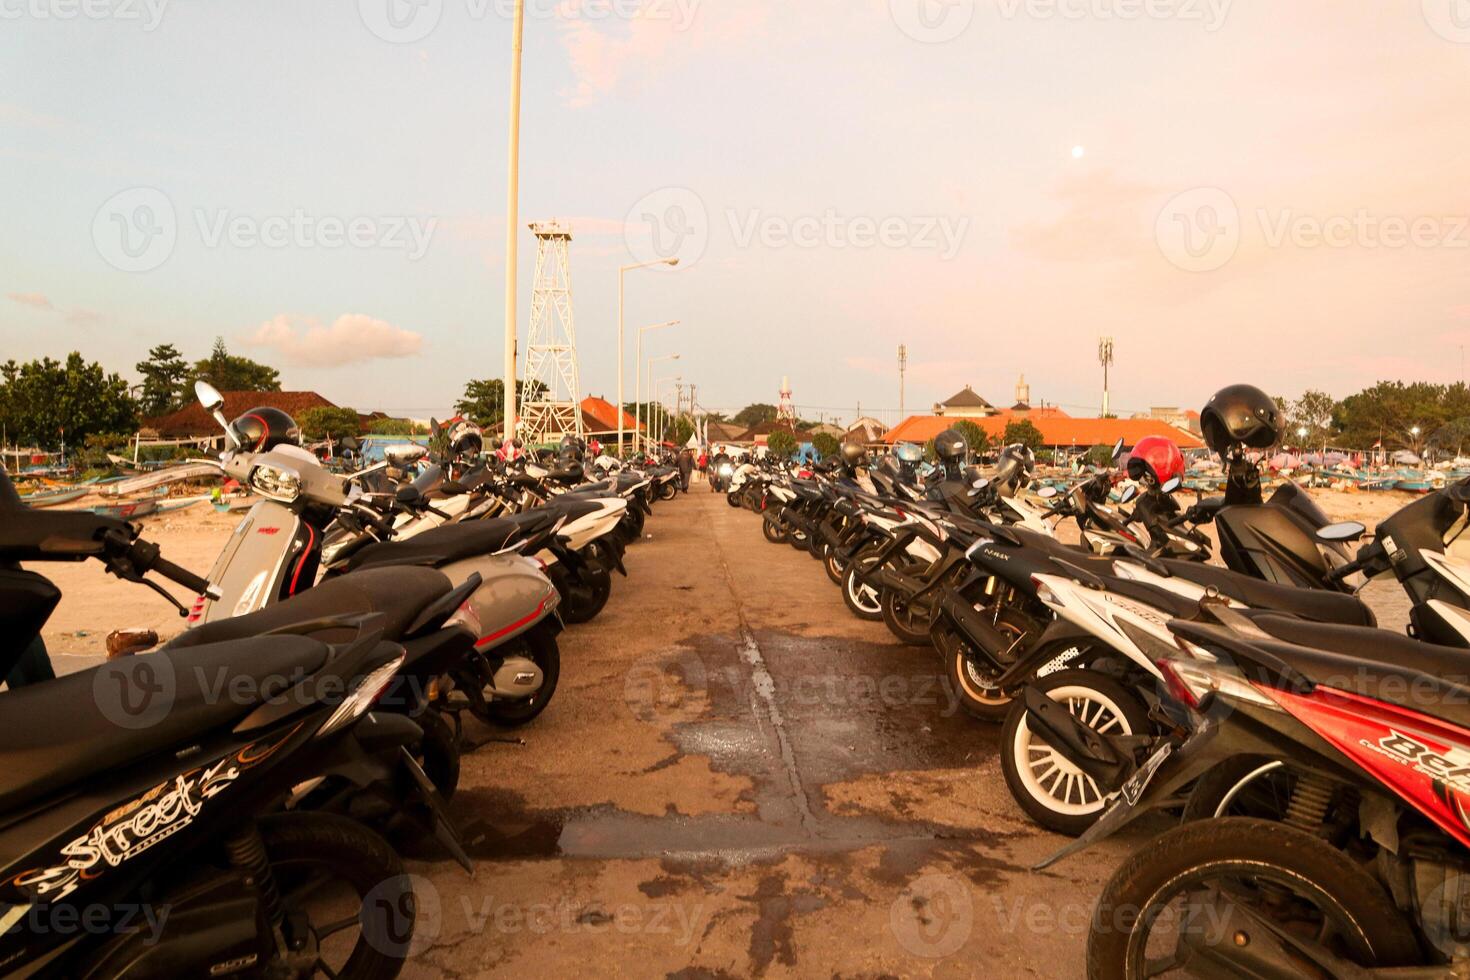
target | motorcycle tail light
x=1044, y=592
x=369, y=687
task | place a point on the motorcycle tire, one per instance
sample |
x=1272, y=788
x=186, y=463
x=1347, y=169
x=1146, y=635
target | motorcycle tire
x=774, y=532
x=668, y=491
x=540, y=647
x=911, y=629
x=965, y=670
x=733, y=499
x=862, y=602
x=301, y=847
x=586, y=596
x=1047, y=794
x=438, y=753
x=1274, y=858
x=835, y=566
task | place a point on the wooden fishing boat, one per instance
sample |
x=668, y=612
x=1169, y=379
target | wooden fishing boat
x=129, y=511
x=50, y=498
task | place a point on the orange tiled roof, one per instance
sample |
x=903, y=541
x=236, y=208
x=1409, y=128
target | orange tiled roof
x=1056, y=430
x=605, y=414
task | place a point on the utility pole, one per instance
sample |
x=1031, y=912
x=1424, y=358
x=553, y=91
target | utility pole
x=903, y=366
x=1105, y=358
x=512, y=218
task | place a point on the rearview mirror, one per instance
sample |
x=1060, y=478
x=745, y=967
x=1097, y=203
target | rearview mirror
x=1346, y=531
x=1047, y=493
x=981, y=484
x=1128, y=494
x=1172, y=484
x=1118, y=449
x=405, y=455
x=209, y=396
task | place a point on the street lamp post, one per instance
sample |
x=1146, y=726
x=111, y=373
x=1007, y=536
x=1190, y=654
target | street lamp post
x=638, y=381
x=653, y=391
x=663, y=416
x=621, y=273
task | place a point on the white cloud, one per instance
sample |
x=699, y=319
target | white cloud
x=353, y=338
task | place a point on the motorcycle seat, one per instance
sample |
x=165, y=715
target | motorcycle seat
x=442, y=545
x=1316, y=604
x=59, y=732
x=399, y=594
x=1373, y=663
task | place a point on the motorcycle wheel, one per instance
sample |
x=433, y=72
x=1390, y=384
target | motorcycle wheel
x=733, y=499
x=1290, y=878
x=438, y=753
x=668, y=491
x=911, y=626
x=632, y=522
x=540, y=647
x=798, y=539
x=1052, y=791
x=600, y=553
x=774, y=532
x=333, y=861
x=835, y=566
x=584, y=600
x=975, y=688
x=862, y=601
x=1244, y=786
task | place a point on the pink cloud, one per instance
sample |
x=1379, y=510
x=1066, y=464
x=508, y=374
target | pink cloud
x=38, y=300
x=352, y=338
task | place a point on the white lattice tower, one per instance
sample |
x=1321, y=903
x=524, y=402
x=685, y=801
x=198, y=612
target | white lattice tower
x=552, y=380
x=786, y=411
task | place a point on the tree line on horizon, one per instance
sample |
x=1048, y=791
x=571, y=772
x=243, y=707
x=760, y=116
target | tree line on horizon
x=46, y=402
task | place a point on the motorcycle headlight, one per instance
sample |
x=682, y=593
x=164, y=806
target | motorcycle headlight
x=276, y=483
x=726, y=470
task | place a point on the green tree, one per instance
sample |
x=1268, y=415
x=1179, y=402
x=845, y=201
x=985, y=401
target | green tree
x=756, y=414
x=484, y=401
x=1023, y=432
x=227, y=372
x=1390, y=410
x=1101, y=457
x=781, y=443
x=323, y=422
x=974, y=435
x=826, y=444
x=398, y=427
x=1313, y=412
x=47, y=402
x=163, y=381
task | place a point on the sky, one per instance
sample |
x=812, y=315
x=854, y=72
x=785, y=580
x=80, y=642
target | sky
x=1234, y=190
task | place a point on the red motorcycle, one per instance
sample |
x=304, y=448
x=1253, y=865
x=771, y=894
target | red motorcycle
x=1334, y=766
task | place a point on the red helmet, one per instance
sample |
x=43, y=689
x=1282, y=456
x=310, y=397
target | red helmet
x=1156, y=457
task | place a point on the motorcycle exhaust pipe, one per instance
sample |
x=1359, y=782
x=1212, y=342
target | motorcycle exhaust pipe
x=1074, y=741
x=985, y=638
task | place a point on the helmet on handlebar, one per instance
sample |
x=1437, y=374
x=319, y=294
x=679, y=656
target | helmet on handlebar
x=1241, y=415
x=951, y=446
x=1156, y=458
x=853, y=455
x=263, y=429
x=466, y=439
x=1013, y=468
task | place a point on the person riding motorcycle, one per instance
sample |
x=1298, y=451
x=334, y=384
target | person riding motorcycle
x=720, y=470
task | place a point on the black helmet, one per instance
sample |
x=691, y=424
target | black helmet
x=951, y=446
x=466, y=439
x=854, y=454
x=263, y=429
x=570, y=442
x=1014, y=466
x=1241, y=415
